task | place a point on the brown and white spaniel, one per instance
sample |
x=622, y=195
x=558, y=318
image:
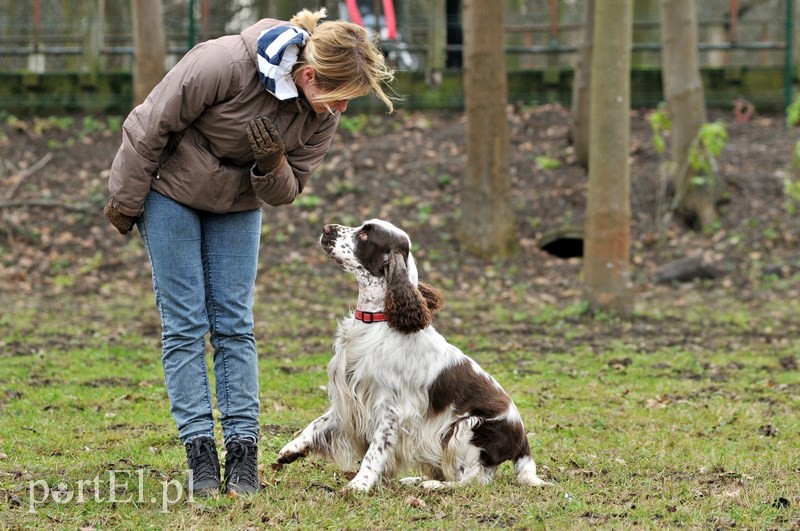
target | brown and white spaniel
x=400, y=395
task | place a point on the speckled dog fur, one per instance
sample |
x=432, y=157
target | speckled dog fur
x=400, y=396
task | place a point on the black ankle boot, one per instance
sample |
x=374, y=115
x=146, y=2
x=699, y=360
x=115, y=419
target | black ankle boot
x=201, y=454
x=241, y=467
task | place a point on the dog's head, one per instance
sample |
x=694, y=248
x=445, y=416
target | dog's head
x=379, y=255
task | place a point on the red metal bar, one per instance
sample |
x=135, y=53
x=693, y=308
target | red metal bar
x=206, y=18
x=352, y=10
x=734, y=20
x=391, y=22
x=554, y=20
x=37, y=25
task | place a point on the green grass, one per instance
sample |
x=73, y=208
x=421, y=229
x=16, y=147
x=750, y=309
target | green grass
x=678, y=419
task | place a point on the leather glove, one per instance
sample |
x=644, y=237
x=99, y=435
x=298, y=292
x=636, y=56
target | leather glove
x=122, y=222
x=266, y=143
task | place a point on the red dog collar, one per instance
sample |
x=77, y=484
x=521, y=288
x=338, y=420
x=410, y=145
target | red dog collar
x=370, y=317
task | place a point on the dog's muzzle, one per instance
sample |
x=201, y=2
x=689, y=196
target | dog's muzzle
x=329, y=235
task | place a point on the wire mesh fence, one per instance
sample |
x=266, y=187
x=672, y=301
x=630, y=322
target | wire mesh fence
x=47, y=36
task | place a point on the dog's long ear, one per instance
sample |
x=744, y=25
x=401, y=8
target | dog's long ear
x=433, y=297
x=405, y=307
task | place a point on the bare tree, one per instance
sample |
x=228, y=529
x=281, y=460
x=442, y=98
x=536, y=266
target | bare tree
x=436, y=11
x=683, y=91
x=332, y=6
x=581, y=90
x=283, y=9
x=149, y=47
x=486, y=225
x=93, y=39
x=607, y=225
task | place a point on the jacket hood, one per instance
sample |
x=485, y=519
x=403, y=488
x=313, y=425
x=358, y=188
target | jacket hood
x=250, y=35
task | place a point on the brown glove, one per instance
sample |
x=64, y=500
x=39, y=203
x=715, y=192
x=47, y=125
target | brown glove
x=123, y=223
x=266, y=143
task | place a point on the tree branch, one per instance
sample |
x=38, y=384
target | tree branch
x=44, y=203
x=25, y=173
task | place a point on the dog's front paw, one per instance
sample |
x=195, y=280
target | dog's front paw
x=361, y=483
x=536, y=482
x=533, y=480
x=291, y=453
x=284, y=458
x=529, y=477
x=358, y=486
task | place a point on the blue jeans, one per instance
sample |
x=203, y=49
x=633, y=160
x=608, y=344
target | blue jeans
x=204, y=272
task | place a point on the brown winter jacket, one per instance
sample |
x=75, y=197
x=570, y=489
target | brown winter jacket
x=205, y=102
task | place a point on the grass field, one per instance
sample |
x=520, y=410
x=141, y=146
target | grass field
x=684, y=418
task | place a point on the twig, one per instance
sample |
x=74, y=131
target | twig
x=27, y=172
x=44, y=203
x=9, y=231
x=21, y=176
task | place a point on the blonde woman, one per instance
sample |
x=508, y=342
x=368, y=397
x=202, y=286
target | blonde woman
x=241, y=121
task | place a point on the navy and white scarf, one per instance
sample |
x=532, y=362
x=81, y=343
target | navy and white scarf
x=278, y=50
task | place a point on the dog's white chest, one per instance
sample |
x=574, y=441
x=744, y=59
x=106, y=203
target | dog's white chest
x=364, y=356
x=373, y=363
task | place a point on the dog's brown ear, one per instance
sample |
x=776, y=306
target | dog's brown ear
x=405, y=307
x=433, y=297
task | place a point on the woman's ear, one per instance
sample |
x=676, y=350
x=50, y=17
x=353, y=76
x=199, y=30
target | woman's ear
x=308, y=74
x=405, y=307
x=304, y=78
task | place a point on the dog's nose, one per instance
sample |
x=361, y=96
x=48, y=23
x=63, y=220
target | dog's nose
x=329, y=234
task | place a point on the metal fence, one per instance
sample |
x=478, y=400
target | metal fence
x=57, y=35
x=49, y=36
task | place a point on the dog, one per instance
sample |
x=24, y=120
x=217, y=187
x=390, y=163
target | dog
x=400, y=395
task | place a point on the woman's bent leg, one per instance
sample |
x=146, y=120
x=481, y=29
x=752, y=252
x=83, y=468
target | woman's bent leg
x=173, y=238
x=230, y=251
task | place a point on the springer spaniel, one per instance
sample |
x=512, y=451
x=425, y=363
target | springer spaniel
x=401, y=396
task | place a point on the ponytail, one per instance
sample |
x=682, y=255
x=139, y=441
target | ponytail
x=347, y=61
x=308, y=20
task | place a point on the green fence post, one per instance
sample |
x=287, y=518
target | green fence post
x=191, y=39
x=787, y=68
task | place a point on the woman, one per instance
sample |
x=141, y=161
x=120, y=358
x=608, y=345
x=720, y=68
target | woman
x=240, y=121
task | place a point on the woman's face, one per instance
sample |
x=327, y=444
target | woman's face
x=320, y=107
x=307, y=84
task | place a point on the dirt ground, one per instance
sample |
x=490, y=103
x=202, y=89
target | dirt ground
x=408, y=168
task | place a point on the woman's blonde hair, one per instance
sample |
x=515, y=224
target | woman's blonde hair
x=348, y=63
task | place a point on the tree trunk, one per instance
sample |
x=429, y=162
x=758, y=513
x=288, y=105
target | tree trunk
x=149, y=47
x=333, y=9
x=486, y=224
x=581, y=90
x=93, y=39
x=437, y=41
x=683, y=91
x=607, y=226
x=643, y=33
x=284, y=9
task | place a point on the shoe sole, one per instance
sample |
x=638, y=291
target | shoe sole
x=233, y=492
x=205, y=492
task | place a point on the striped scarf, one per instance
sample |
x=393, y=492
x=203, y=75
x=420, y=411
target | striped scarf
x=278, y=49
